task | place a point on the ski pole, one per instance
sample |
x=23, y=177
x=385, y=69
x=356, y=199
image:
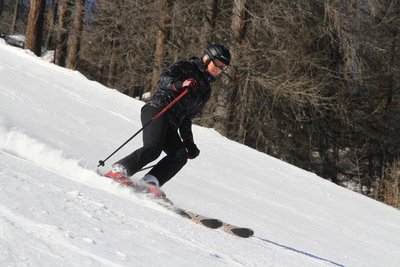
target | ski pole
x=159, y=114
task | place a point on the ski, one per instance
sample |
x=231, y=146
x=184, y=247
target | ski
x=208, y=222
x=196, y=218
x=237, y=230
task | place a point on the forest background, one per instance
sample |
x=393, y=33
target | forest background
x=314, y=83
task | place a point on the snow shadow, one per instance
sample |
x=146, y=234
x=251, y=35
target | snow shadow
x=301, y=252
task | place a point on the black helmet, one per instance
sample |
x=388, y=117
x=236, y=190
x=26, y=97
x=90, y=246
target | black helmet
x=217, y=51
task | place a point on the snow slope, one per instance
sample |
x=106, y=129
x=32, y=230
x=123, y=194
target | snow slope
x=56, y=211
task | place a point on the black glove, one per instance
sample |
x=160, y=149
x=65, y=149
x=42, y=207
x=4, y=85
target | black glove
x=192, y=150
x=190, y=83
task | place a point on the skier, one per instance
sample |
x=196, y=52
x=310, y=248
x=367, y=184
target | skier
x=195, y=74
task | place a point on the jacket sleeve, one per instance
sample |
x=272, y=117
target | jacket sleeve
x=177, y=72
x=185, y=129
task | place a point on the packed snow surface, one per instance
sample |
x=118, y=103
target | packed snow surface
x=55, y=125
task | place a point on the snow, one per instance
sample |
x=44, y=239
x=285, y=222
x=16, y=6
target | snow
x=56, y=211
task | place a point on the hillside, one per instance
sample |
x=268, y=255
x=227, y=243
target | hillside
x=56, y=211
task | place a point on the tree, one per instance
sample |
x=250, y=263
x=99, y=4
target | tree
x=209, y=20
x=117, y=53
x=115, y=43
x=14, y=18
x=162, y=37
x=240, y=89
x=75, y=35
x=1, y=7
x=226, y=97
x=34, y=29
x=63, y=30
x=390, y=185
x=51, y=21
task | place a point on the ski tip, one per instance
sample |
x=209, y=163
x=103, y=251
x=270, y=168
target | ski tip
x=251, y=232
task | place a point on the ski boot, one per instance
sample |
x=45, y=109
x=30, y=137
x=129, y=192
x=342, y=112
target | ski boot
x=149, y=185
x=119, y=174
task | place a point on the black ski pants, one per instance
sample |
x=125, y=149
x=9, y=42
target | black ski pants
x=158, y=136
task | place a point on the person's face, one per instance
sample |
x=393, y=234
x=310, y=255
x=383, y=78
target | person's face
x=216, y=68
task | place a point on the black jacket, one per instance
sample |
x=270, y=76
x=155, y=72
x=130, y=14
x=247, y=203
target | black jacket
x=180, y=115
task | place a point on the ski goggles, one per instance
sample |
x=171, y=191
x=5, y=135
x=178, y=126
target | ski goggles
x=220, y=65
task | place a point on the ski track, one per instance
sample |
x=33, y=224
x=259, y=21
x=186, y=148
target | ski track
x=91, y=207
x=51, y=235
x=99, y=107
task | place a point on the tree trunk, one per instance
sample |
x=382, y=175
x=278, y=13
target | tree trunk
x=115, y=44
x=392, y=75
x=15, y=17
x=62, y=36
x=34, y=29
x=226, y=99
x=209, y=18
x=239, y=15
x=112, y=70
x=245, y=99
x=51, y=20
x=240, y=94
x=1, y=7
x=162, y=35
x=76, y=32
